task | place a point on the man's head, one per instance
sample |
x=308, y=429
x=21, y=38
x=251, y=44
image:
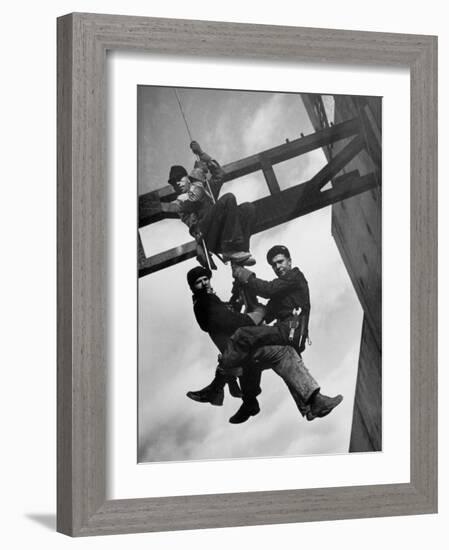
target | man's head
x=279, y=258
x=199, y=279
x=178, y=178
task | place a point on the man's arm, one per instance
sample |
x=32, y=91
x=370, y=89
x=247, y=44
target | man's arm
x=212, y=165
x=173, y=206
x=267, y=289
x=219, y=317
x=187, y=202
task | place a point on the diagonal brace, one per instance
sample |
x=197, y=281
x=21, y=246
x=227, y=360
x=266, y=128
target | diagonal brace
x=336, y=164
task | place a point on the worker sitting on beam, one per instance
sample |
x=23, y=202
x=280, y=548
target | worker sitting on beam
x=223, y=226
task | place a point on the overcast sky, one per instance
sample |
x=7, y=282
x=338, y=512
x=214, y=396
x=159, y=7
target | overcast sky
x=175, y=356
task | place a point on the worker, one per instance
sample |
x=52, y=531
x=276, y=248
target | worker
x=224, y=226
x=220, y=321
x=288, y=305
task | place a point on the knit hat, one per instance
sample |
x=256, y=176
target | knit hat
x=176, y=174
x=275, y=250
x=196, y=273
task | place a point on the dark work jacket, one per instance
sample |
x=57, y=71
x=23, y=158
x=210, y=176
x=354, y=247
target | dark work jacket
x=285, y=294
x=217, y=318
x=193, y=206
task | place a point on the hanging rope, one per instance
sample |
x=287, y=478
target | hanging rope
x=182, y=113
x=191, y=139
x=209, y=190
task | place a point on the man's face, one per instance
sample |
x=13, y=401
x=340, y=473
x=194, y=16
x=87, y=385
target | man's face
x=203, y=283
x=184, y=184
x=281, y=264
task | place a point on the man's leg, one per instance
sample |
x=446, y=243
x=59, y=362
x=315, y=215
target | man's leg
x=221, y=226
x=243, y=342
x=250, y=382
x=286, y=363
x=247, y=215
x=250, y=385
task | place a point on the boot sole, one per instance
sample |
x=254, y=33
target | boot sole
x=247, y=418
x=248, y=262
x=218, y=403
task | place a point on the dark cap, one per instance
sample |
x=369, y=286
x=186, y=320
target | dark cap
x=275, y=250
x=176, y=174
x=196, y=273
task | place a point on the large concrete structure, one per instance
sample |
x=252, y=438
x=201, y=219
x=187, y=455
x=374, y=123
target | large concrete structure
x=356, y=228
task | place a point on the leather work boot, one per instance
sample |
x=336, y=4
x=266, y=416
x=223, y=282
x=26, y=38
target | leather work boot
x=239, y=258
x=247, y=409
x=234, y=388
x=212, y=394
x=248, y=262
x=322, y=405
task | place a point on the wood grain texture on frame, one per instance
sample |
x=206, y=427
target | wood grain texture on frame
x=83, y=40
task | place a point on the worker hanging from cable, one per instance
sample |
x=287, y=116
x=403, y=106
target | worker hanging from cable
x=219, y=226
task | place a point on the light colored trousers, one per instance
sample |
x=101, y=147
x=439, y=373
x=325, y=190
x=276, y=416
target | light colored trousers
x=288, y=364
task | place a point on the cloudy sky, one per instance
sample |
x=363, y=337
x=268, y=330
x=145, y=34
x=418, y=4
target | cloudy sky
x=175, y=356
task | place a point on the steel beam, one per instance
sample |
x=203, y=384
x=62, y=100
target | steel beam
x=276, y=209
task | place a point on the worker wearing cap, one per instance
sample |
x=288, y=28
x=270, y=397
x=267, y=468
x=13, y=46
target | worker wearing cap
x=225, y=226
x=288, y=305
x=220, y=321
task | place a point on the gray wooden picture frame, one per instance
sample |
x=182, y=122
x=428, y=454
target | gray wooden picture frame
x=83, y=40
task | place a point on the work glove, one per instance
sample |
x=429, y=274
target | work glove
x=241, y=274
x=196, y=148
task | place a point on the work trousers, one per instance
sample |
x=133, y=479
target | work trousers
x=288, y=364
x=227, y=227
x=245, y=340
x=249, y=382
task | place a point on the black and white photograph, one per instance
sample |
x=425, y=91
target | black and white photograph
x=259, y=274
